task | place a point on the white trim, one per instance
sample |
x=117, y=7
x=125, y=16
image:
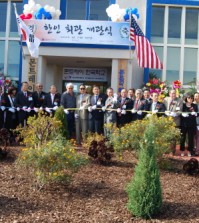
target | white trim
x=182, y=40
x=165, y=38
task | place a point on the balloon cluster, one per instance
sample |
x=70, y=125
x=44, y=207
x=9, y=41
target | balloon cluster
x=118, y=15
x=36, y=11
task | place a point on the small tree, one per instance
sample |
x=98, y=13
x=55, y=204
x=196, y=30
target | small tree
x=144, y=190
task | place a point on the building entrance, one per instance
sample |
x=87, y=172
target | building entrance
x=89, y=85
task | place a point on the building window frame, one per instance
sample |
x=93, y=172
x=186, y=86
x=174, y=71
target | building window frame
x=170, y=3
x=7, y=38
x=182, y=45
x=63, y=8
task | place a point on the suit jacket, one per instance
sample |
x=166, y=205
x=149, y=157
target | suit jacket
x=110, y=116
x=11, y=118
x=189, y=121
x=142, y=106
x=38, y=98
x=48, y=102
x=85, y=102
x=174, y=106
x=21, y=100
x=124, y=119
x=98, y=113
x=159, y=106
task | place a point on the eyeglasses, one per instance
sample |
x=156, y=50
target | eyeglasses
x=190, y=97
x=82, y=88
x=70, y=88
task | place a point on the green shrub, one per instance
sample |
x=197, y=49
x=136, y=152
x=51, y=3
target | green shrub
x=55, y=160
x=131, y=135
x=60, y=115
x=144, y=190
x=39, y=130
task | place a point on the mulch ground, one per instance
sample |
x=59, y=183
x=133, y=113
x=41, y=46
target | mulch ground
x=96, y=194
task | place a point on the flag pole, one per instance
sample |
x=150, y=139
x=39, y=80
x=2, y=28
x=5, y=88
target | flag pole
x=19, y=32
x=130, y=53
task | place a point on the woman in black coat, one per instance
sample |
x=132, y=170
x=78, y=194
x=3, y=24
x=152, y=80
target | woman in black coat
x=188, y=124
x=11, y=114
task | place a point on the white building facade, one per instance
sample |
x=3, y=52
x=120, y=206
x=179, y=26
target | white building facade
x=171, y=25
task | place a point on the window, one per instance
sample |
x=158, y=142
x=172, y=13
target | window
x=180, y=47
x=86, y=9
x=190, y=66
x=9, y=39
x=98, y=10
x=76, y=9
x=3, y=12
x=173, y=64
x=13, y=58
x=2, y=50
x=191, y=26
x=174, y=26
x=157, y=29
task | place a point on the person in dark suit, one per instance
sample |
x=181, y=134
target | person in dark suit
x=125, y=103
x=38, y=96
x=96, y=115
x=24, y=104
x=139, y=105
x=11, y=113
x=2, y=108
x=155, y=106
x=68, y=100
x=147, y=95
x=188, y=124
x=51, y=101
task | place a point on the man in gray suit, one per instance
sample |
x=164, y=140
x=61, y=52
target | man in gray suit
x=110, y=117
x=173, y=108
x=81, y=115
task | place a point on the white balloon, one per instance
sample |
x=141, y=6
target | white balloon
x=31, y=2
x=58, y=12
x=37, y=6
x=47, y=8
x=26, y=7
x=52, y=11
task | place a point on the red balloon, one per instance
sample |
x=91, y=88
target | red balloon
x=28, y=16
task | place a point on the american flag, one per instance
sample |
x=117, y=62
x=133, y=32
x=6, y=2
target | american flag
x=146, y=54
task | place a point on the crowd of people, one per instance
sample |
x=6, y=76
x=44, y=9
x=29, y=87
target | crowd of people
x=89, y=113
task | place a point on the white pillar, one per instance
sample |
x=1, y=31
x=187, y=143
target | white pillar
x=114, y=75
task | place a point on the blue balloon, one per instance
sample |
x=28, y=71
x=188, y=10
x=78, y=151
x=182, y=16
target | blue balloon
x=126, y=17
x=38, y=15
x=47, y=15
x=41, y=13
x=134, y=11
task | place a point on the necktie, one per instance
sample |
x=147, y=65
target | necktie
x=25, y=93
x=171, y=105
x=154, y=105
x=96, y=98
x=136, y=104
x=52, y=98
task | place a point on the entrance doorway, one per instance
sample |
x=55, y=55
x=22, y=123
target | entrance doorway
x=89, y=85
